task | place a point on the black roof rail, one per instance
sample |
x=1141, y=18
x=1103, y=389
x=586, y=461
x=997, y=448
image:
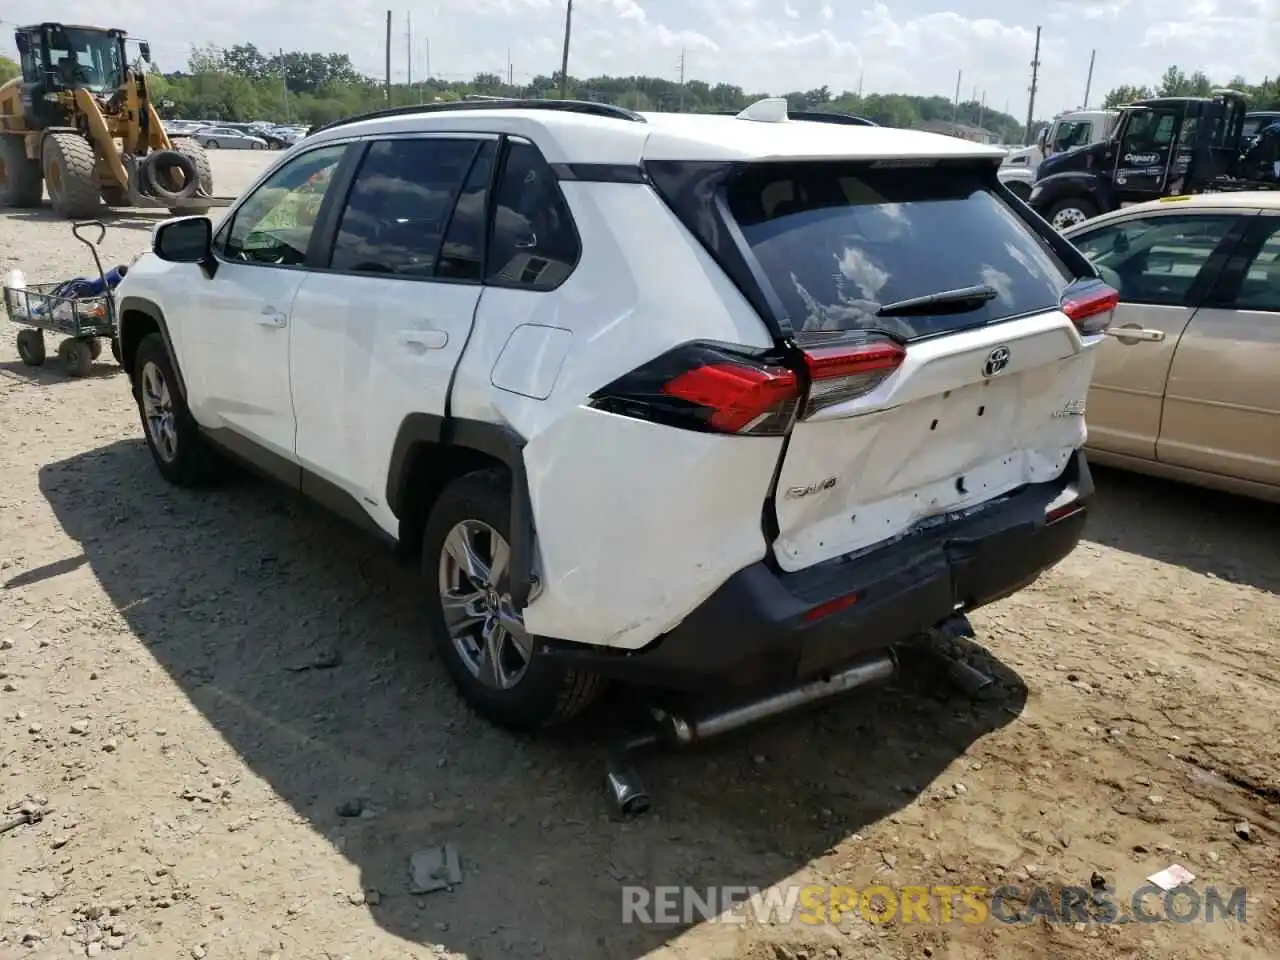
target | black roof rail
x=812, y=116
x=499, y=103
x=818, y=116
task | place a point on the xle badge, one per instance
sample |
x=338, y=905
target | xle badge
x=795, y=493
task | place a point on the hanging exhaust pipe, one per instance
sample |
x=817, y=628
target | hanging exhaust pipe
x=680, y=732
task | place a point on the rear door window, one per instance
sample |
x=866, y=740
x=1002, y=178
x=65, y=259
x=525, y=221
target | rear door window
x=400, y=204
x=838, y=241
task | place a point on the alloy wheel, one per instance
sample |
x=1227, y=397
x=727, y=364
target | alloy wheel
x=486, y=632
x=157, y=410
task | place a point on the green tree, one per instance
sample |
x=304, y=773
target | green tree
x=8, y=69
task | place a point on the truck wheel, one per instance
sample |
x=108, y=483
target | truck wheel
x=204, y=172
x=69, y=174
x=465, y=552
x=21, y=182
x=1069, y=212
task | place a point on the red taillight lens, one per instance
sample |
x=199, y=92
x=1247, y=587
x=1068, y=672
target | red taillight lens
x=709, y=387
x=1089, y=305
x=737, y=397
x=839, y=373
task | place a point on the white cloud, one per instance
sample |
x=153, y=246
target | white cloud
x=910, y=46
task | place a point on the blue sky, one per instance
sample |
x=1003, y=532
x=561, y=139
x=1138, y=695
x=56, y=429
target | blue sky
x=911, y=46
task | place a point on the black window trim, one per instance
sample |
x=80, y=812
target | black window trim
x=1258, y=225
x=500, y=168
x=329, y=237
x=228, y=223
x=1203, y=288
x=485, y=215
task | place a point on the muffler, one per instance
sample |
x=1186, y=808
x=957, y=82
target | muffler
x=680, y=732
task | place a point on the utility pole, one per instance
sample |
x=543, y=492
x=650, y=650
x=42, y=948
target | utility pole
x=510, y=73
x=387, y=88
x=284, y=83
x=860, y=76
x=955, y=107
x=982, y=109
x=1088, y=84
x=682, y=79
x=564, y=57
x=408, y=44
x=1035, y=77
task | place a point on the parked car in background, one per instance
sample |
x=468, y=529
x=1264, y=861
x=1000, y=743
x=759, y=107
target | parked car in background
x=228, y=138
x=1188, y=386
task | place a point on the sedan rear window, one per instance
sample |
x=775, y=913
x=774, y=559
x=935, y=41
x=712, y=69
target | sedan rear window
x=838, y=241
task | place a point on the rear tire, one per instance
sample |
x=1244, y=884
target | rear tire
x=21, y=180
x=1071, y=211
x=540, y=691
x=69, y=163
x=31, y=349
x=180, y=452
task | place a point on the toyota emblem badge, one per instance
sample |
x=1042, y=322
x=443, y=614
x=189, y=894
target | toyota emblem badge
x=997, y=360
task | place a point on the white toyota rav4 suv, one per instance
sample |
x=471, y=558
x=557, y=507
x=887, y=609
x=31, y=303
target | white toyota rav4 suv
x=687, y=400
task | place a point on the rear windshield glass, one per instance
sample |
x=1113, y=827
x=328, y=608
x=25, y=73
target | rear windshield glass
x=839, y=241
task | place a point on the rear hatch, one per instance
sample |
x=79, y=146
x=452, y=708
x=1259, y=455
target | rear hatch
x=917, y=409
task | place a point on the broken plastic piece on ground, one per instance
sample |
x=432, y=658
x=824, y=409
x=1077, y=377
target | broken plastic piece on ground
x=435, y=868
x=1172, y=877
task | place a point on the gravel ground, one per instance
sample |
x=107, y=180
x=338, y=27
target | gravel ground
x=222, y=705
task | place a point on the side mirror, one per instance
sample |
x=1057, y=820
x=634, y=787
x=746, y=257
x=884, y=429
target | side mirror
x=184, y=240
x=145, y=49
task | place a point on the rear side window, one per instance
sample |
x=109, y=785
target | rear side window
x=535, y=244
x=399, y=204
x=839, y=241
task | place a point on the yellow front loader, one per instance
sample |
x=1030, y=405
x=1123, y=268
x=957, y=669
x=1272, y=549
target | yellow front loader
x=80, y=123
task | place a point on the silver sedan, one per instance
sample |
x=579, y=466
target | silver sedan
x=228, y=138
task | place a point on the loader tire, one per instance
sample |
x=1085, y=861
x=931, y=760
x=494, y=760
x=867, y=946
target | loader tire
x=204, y=172
x=21, y=182
x=69, y=174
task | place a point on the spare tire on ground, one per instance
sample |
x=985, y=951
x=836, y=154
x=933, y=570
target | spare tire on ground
x=169, y=175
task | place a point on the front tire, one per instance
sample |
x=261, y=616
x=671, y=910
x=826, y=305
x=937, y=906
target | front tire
x=69, y=175
x=181, y=454
x=465, y=567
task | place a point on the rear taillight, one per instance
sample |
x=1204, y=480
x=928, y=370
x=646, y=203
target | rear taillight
x=1090, y=304
x=712, y=387
x=709, y=387
x=839, y=373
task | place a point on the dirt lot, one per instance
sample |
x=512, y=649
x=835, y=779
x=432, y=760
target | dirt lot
x=206, y=795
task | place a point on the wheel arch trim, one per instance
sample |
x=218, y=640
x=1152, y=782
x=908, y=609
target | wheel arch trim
x=152, y=310
x=495, y=440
